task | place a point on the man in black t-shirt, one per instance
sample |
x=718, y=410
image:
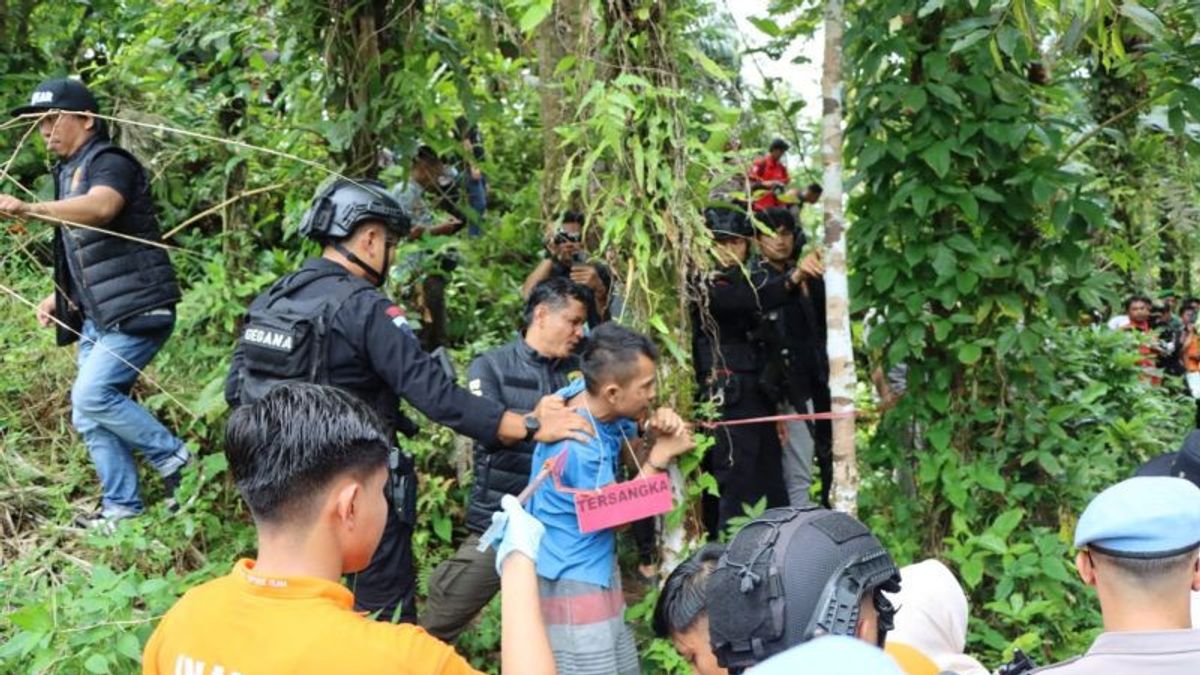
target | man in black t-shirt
x=114, y=290
x=567, y=257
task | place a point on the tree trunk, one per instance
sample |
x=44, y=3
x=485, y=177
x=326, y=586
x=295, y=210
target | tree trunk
x=842, y=379
x=562, y=33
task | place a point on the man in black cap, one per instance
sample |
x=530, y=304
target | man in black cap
x=114, y=290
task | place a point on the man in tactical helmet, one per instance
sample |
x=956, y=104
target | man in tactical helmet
x=795, y=574
x=329, y=323
x=746, y=458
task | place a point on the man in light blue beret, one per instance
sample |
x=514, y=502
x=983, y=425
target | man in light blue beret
x=1138, y=545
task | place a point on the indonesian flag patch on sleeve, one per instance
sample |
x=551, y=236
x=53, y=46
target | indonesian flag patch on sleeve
x=397, y=316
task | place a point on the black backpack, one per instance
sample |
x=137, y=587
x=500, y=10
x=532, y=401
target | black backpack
x=285, y=338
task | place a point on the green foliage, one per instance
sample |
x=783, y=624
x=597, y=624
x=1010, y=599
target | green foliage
x=973, y=241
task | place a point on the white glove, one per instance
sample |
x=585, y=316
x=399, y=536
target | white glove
x=521, y=532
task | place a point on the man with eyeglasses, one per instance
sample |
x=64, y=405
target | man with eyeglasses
x=114, y=291
x=567, y=257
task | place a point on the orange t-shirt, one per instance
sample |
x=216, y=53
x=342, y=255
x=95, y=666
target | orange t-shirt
x=244, y=624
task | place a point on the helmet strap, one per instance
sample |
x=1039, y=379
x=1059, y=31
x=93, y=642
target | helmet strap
x=373, y=275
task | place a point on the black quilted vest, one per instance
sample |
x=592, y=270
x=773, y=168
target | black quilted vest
x=109, y=278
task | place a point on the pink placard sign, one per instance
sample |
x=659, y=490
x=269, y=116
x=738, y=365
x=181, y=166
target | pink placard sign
x=622, y=503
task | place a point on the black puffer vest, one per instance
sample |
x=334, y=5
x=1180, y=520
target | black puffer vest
x=109, y=278
x=524, y=377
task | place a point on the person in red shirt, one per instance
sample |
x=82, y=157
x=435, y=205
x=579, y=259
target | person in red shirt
x=768, y=176
x=1138, y=310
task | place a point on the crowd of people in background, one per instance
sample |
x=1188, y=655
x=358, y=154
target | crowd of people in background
x=1170, y=349
x=567, y=407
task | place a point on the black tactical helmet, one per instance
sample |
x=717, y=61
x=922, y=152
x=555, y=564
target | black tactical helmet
x=727, y=223
x=793, y=574
x=342, y=204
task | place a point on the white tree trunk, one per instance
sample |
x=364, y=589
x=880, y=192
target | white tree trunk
x=842, y=379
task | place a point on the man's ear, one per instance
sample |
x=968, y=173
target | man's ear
x=89, y=122
x=346, y=504
x=1196, y=574
x=611, y=392
x=1087, y=571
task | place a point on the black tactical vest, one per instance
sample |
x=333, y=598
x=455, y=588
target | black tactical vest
x=110, y=278
x=285, y=335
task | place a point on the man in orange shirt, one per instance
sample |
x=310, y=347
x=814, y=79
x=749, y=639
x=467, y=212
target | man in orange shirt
x=311, y=463
x=769, y=176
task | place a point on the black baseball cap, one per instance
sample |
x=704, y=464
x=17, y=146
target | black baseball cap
x=60, y=94
x=1182, y=464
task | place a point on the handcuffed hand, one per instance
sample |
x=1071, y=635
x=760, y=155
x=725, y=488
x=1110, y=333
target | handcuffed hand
x=522, y=532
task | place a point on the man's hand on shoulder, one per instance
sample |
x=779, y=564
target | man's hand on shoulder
x=557, y=422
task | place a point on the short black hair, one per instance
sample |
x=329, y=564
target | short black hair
x=1138, y=298
x=286, y=447
x=815, y=188
x=555, y=292
x=684, y=597
x=572, y=217
x=1149, y=571
x=779, y=144
x=426, y=155
x=611, y=355
x=776, y=218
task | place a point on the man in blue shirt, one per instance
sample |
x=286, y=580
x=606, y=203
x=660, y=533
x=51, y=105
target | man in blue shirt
x=578, y=579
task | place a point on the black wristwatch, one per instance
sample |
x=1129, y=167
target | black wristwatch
x=532, y=425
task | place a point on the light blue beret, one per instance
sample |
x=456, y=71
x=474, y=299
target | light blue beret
x=830, y=655
x=1143, y=517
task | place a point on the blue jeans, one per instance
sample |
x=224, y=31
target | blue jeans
x=111, y=424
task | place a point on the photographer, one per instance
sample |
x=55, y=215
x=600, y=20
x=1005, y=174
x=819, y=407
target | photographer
x=567, y=257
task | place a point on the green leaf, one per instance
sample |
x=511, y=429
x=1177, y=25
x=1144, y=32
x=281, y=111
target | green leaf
x=987, y=194
x=992, y=543
x=961, y=244
x=939, y=436
x=968, y=40
x=969, y=353
x=966, y=282
x=709, y=66
x=96, y=663
x=884, y=277
x=930, y=7
x=33, y=618
x=129, y=647
x=766, y=25
x=537, y=12
x=564, y=64
x=944, y=262
x=914, y=98
x=937, y=156
x=1142, y=18
x=972, y=571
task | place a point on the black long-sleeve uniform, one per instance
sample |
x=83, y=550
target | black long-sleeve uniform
x=746, y=460
x=373, y=354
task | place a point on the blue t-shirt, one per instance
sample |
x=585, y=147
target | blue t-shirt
x=567, y=553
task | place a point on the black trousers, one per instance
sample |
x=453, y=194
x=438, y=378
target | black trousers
x=388, y=583
x=746, y=460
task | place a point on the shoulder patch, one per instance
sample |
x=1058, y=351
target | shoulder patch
x=475, y=387
x=397, y=316
x=574, y=375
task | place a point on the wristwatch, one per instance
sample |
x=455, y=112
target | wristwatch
x=532, y=425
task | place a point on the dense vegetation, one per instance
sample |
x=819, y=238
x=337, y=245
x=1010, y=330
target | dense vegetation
x=1013, y=165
